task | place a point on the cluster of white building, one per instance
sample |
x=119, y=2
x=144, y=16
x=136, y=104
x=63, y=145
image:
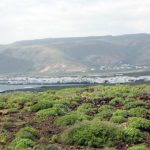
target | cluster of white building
x=121, y=67
x=68, y=80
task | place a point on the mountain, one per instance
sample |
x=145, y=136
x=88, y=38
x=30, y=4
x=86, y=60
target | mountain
x=72, y=55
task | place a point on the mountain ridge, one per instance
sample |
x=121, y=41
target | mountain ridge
x=76, y=54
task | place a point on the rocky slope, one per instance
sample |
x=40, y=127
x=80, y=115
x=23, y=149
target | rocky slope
x=71, y=55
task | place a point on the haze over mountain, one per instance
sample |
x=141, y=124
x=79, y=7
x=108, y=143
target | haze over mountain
x=71, y=55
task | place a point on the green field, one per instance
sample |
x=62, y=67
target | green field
x=99, y=117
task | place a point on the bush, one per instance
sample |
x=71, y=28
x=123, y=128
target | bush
x=2, y=105
x=140, y=123
x=21, y=100
x=118, y=119
x=71, y=119
x=138, y=147
x=12, y=110
x=27, y=132
x=41, y=105
x=22, y=143
x=105, y=111
x=105, y=107
x=94, y=134
x=61, y=106
x=85, y=107
x=28, y=129
x=116, y=101
x=122, y=113
x=45, y=113
x=137, y=112
x=132, y=135
x=131, y=103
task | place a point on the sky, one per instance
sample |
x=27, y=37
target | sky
x=36, y=19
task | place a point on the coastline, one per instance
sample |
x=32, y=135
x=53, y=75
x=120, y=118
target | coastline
x=40, y=88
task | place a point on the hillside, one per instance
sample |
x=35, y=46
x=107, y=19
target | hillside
x=72, y=55
x=83, y=118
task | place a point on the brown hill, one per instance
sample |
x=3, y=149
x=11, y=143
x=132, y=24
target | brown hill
x=70, y=55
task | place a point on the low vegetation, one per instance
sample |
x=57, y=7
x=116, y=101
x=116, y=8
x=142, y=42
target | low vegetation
x=99, y=117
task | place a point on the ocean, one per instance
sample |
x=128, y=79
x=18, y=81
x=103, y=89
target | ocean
x=5, y=87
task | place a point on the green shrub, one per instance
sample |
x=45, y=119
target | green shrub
x=94, y=134
x=122, y=113
x=41, y=105
x=61, y=106
x=105, y=107
x=131, y=103
x=119, y=116
x=2, y=105
x=105, y=111
x=19, y=99
x=138, y=147
x=116, y=101
x=27, y=132
x=140, y=123
x=118, y=119
x=71, y=119
x=45, y=113
x=28, y=129
x=85, y=107
x=137, y=112
x=12, y=110
x=22, y=144
x=132, y=135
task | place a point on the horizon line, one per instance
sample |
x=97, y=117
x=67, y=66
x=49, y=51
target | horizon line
x=69, y=37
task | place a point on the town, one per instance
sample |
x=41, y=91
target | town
x=73, y=80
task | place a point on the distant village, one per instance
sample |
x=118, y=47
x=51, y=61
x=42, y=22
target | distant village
x=118, y=78
x=120, y=67
x=72, y=80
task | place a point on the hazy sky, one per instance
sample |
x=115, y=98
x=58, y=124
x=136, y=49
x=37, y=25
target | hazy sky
x=32, y=19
